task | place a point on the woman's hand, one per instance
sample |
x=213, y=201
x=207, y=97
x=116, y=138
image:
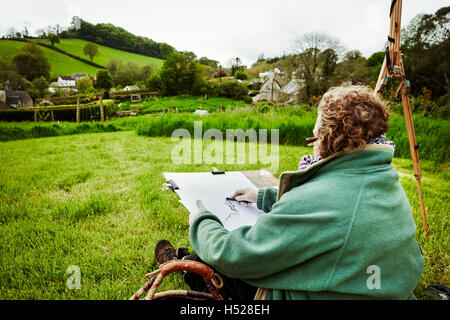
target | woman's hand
x=246, y=194
x=201, y=208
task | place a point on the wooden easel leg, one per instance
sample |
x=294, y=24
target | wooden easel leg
x=414, y=150
x=383, y=74
x=422, y=206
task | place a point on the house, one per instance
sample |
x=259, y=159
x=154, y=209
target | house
x=271, y=73
x=78, y=76
x=293, y=87
x=3, y=104
x=277, y=87
x=292, y=90
x=65, y=83
x=14, y=99
x=131, y=88
x=274, y=82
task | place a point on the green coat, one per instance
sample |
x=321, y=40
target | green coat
x=324, y=235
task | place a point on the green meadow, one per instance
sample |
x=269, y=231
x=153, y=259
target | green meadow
x=60, y=63
x=89, y=194
x=95, y=201
x=106, y=54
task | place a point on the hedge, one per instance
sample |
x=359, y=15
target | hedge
x=60, y=113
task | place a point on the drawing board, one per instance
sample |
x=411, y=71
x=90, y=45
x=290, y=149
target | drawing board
x=213, y=190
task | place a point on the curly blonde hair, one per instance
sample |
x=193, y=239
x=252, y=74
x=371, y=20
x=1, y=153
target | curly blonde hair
x=349, y=118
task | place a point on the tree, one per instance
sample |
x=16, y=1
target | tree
x=329, y=59
x=41, y=33
x=235, y=64
x=352, y=55
x=9, y=75
x=31, y=63
x=41, y=85
x=220, y=74
x=208, y=62
x=426, y=49
x=83, y=84
x=165, y=50
x=91, y=50
x=26, y=27
x=181, y=74
x=354, y=71
x=49, y=29
x=11, y=33
x=104, y=80
x=58, y=29
x=308, y=52
x=130, y=73
x=375, y=63
x=261, y=57
x=154, y=83
x=240, y=75
x=53, y=38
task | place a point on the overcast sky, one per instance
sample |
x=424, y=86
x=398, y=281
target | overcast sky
x=223, y=29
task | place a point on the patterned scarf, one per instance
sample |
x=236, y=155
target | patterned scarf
x=309, y=160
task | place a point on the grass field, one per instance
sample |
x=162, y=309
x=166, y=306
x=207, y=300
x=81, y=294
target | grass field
x=95, y=201
x=60, y=63
x=75, y=47
x=183, y=104
x=294, y=122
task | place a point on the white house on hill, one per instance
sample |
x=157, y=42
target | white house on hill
x=65, y=83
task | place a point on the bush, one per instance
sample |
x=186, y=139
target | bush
x=233, y=90
x=154, y=83
x=240, y=75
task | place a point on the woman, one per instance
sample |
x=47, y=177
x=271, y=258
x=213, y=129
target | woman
x=338, y=228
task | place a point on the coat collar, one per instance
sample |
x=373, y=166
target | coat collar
x=301, y=176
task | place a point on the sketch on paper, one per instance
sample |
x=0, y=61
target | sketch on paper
x=213, y=190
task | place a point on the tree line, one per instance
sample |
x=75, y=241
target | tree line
x=181, y=74
x=316, y=58
x=28, y=70
x=320, y=61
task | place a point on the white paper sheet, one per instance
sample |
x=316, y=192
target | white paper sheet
x=213, y=190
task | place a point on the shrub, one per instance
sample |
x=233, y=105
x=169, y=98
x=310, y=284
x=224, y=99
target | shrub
x=240, y=75
x=232, y=90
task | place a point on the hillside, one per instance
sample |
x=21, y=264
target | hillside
x=65, y=65
x=61, y=64
x=75, y=47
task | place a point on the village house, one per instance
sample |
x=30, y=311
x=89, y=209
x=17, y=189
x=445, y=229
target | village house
x=64, y=83
x=14, y=99
x=78, y=76
x=277, y=87
x=274, y=81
